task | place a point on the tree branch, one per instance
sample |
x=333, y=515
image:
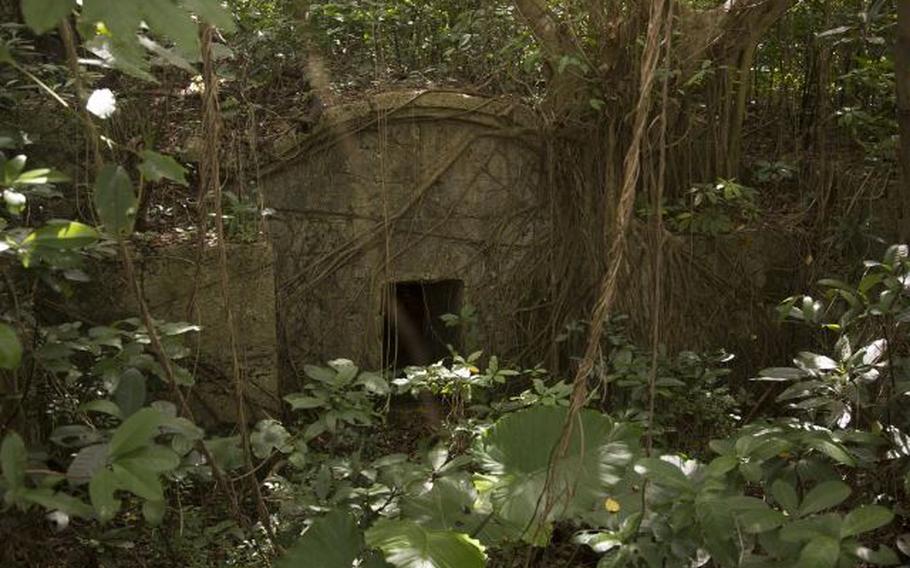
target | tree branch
x=729, y=28
x=745, y=21
x=546, y=27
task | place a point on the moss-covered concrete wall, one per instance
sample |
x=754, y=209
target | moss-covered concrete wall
x=176, y=290
x=402, y=187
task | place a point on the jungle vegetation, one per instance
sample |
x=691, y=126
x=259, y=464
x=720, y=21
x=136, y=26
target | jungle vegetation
x=625, y=435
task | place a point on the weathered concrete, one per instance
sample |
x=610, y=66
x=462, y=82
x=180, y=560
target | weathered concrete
x=176, y=291
x=402, y=187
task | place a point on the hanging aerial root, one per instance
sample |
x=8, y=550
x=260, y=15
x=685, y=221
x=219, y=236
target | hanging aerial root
x=615, y=261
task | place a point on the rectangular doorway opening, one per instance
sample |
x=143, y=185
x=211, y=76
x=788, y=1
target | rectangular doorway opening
x=413, y=333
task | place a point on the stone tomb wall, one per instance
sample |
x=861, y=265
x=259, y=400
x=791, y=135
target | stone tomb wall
x=406, y=187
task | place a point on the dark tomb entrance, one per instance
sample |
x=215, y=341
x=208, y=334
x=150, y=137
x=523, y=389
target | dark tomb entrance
x=413, y=333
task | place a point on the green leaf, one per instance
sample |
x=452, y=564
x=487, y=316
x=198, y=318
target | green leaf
x=516, y=453
x=346, y=371
x=58, y=501
x=761, y=520
x=156, y=167
x=101, y=491
x=720, y=465
x=131, y=392
x=61, y=236
x=13, y=459
x=299, y=401
x=41, y=176
x=211, y=11
x=833, y=450
x=44, y=15
x=821, y=552
x=153, y=512
x=406, y=544
x=864, y=519
x=136, y=432
x=824, y=496
x=333, y=541
x=165, y=18
x=87, y=463
x=321, y=374
x=270, y=435
x=373, y=382
x=10, y=348
x=115, y=201
x=119, y=17
x=663, y=473
x=804, y=530
x=884, y=556
x=785, y=495
x=142, y=482
x=151, y=458
x=103, y=406
x=448, y=505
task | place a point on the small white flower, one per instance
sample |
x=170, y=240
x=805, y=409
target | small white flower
x=102, y=103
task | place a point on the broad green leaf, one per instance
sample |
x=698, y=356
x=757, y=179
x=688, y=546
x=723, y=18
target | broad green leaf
x=213, y=12
x=406, y=544
x=821, y=552
x=516, y=453
x=663, y=473
x=884, y=556
x=58, y=501
x=448, y=505
x=804, y=530
x=101, y=490
x=44, y=15
x=864, y=519
x=785, y=495
x=131, y=392
x=833, y=450
x=153, y=511
x=120, y=18
x=373, y=382
x=781, y=374
x=270, y=435
x=41, y=176
x=13, y=167
x=166, y=18
x=761, y=520
x=321, y=374
x=142, y=482
x=61, y=236
x=13, y=459
x=151, y=458
x=332, y=541
x=156, y=167
x=115, y=201
x=824, y=496
x=226, y=452
x=10, y=348
x=346, y=371
x=168, y=55
x=136, y=432
x=299, y=401
x=171, y=329
x=87, y=463
x=103, y=406
x=15, y=201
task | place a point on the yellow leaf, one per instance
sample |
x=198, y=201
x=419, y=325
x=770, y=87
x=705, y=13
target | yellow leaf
x=612, y=505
